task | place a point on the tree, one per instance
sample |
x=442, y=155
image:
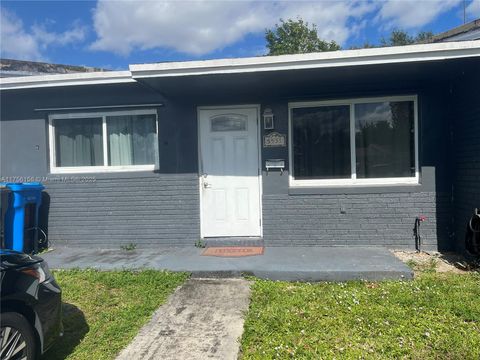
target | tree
x=401, y=37
x=423, y=36
x=296, y=37
x=366, y=45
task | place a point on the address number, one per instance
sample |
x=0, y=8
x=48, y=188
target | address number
x=274, y=140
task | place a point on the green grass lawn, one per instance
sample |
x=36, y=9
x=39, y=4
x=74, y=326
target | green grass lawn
x=436, y=316
x=103, y=311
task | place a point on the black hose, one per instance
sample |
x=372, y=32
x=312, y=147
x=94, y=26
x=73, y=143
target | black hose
x=476, y=218
x=416, y=232
x=472, y=236
x=418, y=238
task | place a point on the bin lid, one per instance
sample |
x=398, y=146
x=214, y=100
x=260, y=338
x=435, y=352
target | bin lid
x=24, y=186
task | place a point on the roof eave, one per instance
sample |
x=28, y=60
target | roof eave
x=45, y=81
x=386, y=55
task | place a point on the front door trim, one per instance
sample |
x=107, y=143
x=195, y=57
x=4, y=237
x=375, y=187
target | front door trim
x=259, y=148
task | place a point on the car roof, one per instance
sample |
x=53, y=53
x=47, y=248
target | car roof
x=10, y=259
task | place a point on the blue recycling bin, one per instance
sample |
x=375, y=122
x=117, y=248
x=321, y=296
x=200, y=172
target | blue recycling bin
x=21, y=219
x=4, y=200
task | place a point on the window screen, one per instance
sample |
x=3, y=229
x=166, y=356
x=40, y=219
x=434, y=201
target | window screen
x=321, y=142
x=385, y=139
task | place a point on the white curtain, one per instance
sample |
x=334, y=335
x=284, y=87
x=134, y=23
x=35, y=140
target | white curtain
x=79, y=142
x=131, y=139
x=120, y=140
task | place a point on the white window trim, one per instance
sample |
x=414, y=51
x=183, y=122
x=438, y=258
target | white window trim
x=54, y=169
x=352, y=181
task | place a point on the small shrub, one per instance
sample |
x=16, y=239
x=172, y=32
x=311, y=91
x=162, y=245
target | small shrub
x=129, y=247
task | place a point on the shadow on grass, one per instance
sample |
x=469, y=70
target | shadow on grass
x=75, y=327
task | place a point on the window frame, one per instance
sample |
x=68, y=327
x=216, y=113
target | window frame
x=54, y=169
x=352, y=181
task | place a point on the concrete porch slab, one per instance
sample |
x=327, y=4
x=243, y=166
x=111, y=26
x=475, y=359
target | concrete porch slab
x=277, y=263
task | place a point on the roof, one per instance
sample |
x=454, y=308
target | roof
x=342, y=58
x=11, y=67
x=469, y=31
x=94, y=78
x=370, y=56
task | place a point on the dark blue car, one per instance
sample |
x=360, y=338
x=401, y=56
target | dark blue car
x=30, y=309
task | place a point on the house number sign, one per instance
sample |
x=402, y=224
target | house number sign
x=274, y=139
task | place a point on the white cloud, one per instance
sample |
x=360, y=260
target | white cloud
x=412, y=14
x=473, y=10
x=14, y=41
x=200, y=27
x=335, y=20
x=46, y=38
x=30, y=44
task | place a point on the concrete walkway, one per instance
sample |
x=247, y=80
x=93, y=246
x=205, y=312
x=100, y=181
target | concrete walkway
x=203, y=319
x=277, y=263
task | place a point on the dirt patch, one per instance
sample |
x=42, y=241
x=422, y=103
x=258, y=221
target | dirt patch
x=434, y=261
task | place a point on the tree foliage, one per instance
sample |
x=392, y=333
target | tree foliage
x=299, y=37
x=400, y=38
x=423, y=36
x=296, y=37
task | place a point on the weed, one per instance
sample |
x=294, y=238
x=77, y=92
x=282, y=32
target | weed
x=200, y=244
x=129, y=247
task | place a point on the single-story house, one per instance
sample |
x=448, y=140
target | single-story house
x=344, y=148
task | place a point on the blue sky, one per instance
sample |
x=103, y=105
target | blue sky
x=113, y=34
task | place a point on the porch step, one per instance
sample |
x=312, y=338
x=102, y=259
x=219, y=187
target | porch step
x=233, y=241
x=294, y=263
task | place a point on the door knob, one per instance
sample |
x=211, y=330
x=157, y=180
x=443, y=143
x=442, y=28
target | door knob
x=206, y=185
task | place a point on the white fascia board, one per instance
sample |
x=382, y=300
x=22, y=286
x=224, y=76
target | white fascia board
x=384, y=55
x=89, y=78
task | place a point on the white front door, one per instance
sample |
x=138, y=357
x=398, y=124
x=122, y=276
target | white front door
x=229, y=171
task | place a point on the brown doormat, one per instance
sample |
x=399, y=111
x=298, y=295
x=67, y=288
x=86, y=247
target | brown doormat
x=233, y=251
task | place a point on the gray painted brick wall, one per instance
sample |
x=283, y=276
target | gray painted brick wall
x=370, y=219
x=467, y=156
x=163, y=208
x=148, y=210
